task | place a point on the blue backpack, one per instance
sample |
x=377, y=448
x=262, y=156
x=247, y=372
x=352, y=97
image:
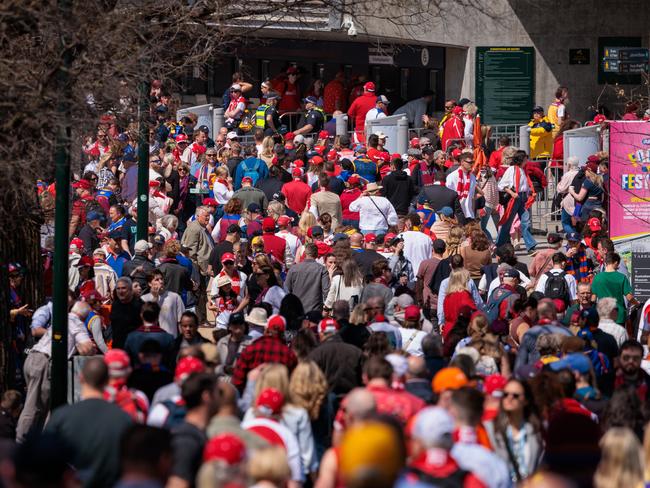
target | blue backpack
x=251, y=173
x=493, y=305
x=176, y=414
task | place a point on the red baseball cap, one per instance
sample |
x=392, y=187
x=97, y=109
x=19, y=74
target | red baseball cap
x=268, y=223
x=277, y=323
x=298, y=163
x=412, y=312
x=395, y=156
x=284, y=220
x=494, y=385
x=247, y=179
x=592, y=166
x=181, y=138
x=456, y=153
x=415, y=142
x=332, y=155
x=77, y=242
x=316, y=160
x=210, y=202
x=599, y=119
x=85, y=261
x=328, y=326
x=457, y=110
x=187, y=366
x=323, y=134
x=296, y=172
x=560, y=306
x=389, y=237
x=225, y=447
x=594, y=224
x=369, y=86
x=354, y=179
x=289, y=136
x=118, y=363
x=370, y=238
x=227, y=256
x=85, y=184
x=270, y=401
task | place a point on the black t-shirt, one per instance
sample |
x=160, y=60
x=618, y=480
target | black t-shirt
x=187, y=450
x=148, y=380
x=336, y=186
x=92, y=429
x=315, y=119
x=129, y=233
x=273, y=112
x=215, y=255
x=232, y=164
x=125, y=318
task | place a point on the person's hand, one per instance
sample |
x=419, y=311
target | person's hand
x=571, y=252
x=24, y=311
x=253, y=374
x=425, y=118
x=403, y=280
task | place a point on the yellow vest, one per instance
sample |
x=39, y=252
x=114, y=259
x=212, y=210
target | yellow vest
x=260, y=116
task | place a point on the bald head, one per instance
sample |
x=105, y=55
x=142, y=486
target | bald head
x=546, y=309
x=94, y=374
x=356, y=239
x=359, y=405
x=417, y=367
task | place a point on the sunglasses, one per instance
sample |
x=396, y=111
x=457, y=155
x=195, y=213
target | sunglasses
x=182, y=170
x=515, y=396
x=628, y=357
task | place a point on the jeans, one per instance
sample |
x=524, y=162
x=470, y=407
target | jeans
x=587, y=207
x=489, y=214
x=567, y=225
x=524, y=216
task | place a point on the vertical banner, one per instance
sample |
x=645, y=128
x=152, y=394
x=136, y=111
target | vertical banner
x=629, y=171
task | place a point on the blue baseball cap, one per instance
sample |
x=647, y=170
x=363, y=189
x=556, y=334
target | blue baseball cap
x=447, y=211
x=93, y=216
x=575, y=362
x=590, y=315
x=573, y=236
x=310, y=99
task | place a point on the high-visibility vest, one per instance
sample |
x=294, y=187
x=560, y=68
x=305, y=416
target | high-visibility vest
x=260, y=116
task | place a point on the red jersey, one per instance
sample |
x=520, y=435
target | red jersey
x=274, y=245
x=334, y=97
x=297, y=193
x=496, y=158
x=452, y=131
x=290, y=93
x=347, y=197
x=358, y=111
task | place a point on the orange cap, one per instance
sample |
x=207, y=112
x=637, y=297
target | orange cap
x=451, y=378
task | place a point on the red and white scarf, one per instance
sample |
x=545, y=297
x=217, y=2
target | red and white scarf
x=463, y=185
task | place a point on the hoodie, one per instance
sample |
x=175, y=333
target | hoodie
x=399, y=189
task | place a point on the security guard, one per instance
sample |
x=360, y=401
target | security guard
x=314, y=119
x=267, y=117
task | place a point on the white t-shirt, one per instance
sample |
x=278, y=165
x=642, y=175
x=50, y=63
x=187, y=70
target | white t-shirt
x=375, y=113
x=412, y=341
x=417, y=247
x=171, y=310
x=570, y=281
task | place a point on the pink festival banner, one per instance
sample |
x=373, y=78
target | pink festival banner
x=629, y=171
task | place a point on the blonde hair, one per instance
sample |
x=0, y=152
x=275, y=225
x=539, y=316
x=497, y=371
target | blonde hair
x=275, y=210
x=595, y=178
x=267, y=147
x=470, y=108
x=458, y=280
x=621, y=463
x=273, y=376
x=308, y=388
x=307, y=220
x=454, y=239
x=221, y=171
x=269, y=464
x=358, y=315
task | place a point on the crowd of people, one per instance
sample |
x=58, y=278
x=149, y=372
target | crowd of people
x=310, y=310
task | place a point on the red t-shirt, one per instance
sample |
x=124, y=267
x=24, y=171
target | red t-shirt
x=297, y=194
x=347, y=197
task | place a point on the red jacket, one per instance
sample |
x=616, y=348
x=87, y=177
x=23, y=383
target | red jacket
x=274, y=245
x=358, y=111
x=535, y=173
x=452, y=305
x=452, y=130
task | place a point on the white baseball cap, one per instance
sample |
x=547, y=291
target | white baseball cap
x=232, y=135
x=432, y=426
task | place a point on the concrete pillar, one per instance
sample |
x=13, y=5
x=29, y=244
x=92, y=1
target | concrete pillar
x=524, y=138
x=341, y=124
x=402, y=135
x=217, y=120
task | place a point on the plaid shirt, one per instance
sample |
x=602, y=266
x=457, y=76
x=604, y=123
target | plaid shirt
x=266, y=349
x=580, y=266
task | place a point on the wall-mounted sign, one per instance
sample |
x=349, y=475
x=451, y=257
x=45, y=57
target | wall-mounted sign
x=579, y=56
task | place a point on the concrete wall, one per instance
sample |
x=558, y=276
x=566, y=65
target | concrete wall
x=552, y=27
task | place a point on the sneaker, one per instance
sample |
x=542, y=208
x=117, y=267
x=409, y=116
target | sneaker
x=533, y=252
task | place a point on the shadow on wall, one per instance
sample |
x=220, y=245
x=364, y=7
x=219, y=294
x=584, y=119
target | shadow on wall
x=555, y=26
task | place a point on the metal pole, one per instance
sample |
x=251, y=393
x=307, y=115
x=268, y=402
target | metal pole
x=143, y=164
x=59, y=367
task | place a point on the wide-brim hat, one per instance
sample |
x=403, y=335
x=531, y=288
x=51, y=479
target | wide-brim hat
x=373, y=187
x=257, y=316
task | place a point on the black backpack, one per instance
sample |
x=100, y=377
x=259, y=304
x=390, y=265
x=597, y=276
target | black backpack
x=557, y=287
x=455, y=479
